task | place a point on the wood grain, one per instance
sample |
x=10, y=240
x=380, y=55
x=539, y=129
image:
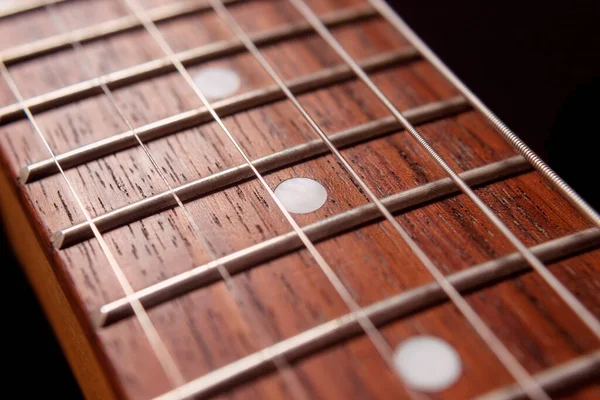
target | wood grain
x=211, y=327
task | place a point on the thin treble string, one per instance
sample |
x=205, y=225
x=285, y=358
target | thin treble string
x=162, y=354
x=358, y=313
x=525, y=380
x=280, y=363
x=584, y=314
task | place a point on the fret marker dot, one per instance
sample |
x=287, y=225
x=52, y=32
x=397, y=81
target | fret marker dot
x=427, y=363
x=217, y=83
x=301, y=195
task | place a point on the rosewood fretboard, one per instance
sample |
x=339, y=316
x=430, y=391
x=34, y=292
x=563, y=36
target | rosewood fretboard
x=95, y=79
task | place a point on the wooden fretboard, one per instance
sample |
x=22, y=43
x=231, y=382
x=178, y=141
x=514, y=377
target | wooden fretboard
x=156, y=234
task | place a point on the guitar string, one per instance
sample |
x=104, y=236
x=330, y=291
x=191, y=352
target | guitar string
x=162, y=354
x=566, y=295
x=509, y=361
x=281, y=364
x=588, y=318
x=363, y=320
x=576, y=306
x=528, y=384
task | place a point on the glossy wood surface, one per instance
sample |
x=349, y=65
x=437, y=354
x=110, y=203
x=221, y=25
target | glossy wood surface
x=211, y=327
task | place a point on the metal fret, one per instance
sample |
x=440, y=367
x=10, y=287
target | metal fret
x=569, y=375
x=393, y=308
x=187, y=119
x=26, y=6
x=319, y=231
x=162, y=66
x=235, y=175
x=102, y=30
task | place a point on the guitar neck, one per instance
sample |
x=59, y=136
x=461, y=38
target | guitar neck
x=279, y=199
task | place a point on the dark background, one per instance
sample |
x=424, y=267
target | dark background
x=535, y=64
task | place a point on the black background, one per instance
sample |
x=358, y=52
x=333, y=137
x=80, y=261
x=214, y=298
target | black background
x=535, y=64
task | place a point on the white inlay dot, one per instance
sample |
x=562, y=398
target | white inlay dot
x=217, y=83
x=427, y=363
x=301, y=195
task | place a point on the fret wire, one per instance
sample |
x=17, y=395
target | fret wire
x=466, y=280
x=578, y=308
x=236, y=175
x=162, y=354
x=25, y=6
x=374, y=335
x=324, y=229
x=390, y=309
x=572, y=373
x=231, y=285
x=398, y=23
x=191, y=118
x=488, y=336
x=101, y=30
x=151, y=69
